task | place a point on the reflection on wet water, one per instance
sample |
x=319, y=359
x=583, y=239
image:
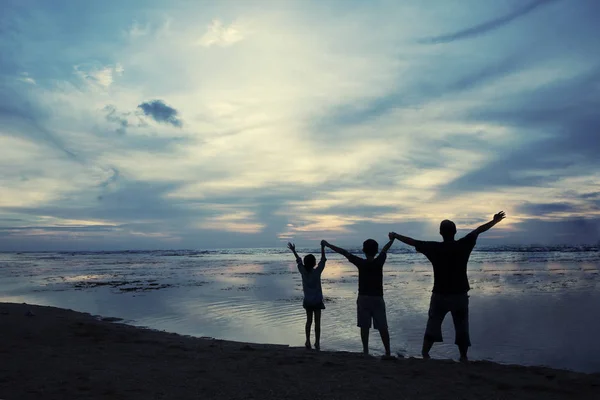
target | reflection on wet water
x=521, y=312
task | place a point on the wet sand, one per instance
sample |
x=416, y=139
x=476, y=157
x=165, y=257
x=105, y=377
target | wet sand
x=52, y=353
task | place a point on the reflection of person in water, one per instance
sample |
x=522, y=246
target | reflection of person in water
x=451, y=285
x=313, y=294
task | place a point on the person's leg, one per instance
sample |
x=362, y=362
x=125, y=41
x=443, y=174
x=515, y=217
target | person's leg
x=380, y=323
x=460, y=317
x=363, y=321
x=427, y=345
x=385, y=338
x=364, y=336
x=309, y=317
x=433, y=332
x=318, y=329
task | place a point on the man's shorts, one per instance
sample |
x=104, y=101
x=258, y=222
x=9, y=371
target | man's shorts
x=371, y=308
x=458, y=306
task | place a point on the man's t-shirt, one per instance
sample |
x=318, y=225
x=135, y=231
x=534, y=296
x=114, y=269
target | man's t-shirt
x=449, y=260
x=370, y=274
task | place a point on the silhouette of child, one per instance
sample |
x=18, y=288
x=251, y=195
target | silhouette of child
x=370, y=303
x=313, y=294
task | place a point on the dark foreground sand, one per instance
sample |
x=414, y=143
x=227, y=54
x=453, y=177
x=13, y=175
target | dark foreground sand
x=62, y=354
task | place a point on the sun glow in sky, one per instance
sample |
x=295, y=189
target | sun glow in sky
x=147, y=124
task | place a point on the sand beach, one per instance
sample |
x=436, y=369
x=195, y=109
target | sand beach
x=53, y=353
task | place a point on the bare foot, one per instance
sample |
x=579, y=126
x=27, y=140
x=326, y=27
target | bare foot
x=307, y=345
x=388, y=357
x=317, y=346
x=464, y=359
x=426, y=356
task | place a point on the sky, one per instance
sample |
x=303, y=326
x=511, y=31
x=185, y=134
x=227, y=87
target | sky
x=215, y=124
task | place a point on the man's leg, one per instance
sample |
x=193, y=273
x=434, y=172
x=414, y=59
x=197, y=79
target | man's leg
x=433, y=332
x=460, y=317
x=309, y=317
x=427, y=344
x=318, y=329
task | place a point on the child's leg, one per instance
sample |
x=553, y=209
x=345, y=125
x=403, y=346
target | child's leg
x=309, y=318
x=317, y=329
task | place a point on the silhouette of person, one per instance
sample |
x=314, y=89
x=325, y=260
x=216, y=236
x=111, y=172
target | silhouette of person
x=370, y=303
x=313, y=293
x=450, y=283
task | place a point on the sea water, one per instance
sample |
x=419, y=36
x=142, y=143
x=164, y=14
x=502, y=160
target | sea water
x=529, y=305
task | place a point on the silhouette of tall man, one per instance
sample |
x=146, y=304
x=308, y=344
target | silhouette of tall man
x=451, y=285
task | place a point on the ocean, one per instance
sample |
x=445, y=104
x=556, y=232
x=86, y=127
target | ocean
x=529, y=305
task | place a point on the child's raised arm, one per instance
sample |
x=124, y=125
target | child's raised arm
x=292, y=247
x=323, y=249
x=388, y=245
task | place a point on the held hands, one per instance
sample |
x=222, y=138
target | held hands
x=324, y=243
x=499, y=217
x=392, y=235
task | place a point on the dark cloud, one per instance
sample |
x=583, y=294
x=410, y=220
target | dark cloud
x=442, y=80
x=112, y=115
x=592, y=195
x=160, y=112
x=112, y=179
x=488, y=26
x=556, y=232
x=74, y=229
x=546, y=208
x=562, y=115
x=20, y=117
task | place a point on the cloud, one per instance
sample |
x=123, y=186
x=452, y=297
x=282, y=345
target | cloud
x=160, y=112
x=219, y=34
x=112, y=115
x=567, y=231
x=27, y=79
x=488, y=26
x=547, y=208
x=100, y=76
x=317, y=126
x=19, y=116
x=136, y=30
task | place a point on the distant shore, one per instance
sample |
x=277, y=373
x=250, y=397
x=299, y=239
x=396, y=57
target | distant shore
x=52, y=353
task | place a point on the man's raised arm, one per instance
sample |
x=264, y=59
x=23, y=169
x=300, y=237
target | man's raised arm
x=339, y=250
x=497, y=218
x=404, y=239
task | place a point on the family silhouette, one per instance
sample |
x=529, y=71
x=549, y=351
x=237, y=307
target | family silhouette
x=449, y=259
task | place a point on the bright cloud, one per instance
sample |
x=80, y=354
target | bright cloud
x=219, y=34
x=99, y=76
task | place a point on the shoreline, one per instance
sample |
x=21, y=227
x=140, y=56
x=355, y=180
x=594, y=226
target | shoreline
x=63, y=354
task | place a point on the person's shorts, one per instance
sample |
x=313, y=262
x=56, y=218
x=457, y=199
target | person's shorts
x=458, y=306
x=313, y=306
x=371, y=308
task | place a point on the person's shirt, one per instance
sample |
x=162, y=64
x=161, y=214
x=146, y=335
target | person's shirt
x=449, y=260
x=311, y=281
x=370, y=274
